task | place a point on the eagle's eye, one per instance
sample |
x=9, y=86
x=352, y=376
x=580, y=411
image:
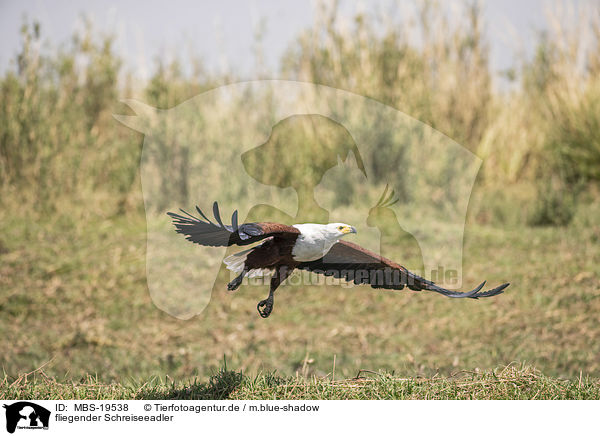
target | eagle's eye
x=340, y=228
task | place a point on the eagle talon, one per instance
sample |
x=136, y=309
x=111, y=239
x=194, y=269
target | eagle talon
x=267, y=305
x=235, y=283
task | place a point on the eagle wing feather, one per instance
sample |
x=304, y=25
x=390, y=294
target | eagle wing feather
x=204, y=232
x=354, y=263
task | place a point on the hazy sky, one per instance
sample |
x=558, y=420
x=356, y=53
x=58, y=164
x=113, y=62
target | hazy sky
x=222, y=33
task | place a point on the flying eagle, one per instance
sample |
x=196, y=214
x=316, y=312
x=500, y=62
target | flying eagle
x=312, y=247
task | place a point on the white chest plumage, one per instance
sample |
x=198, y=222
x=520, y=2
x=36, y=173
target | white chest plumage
x=313, y=243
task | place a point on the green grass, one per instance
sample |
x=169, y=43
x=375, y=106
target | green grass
x=73, y=291
x=512, y=382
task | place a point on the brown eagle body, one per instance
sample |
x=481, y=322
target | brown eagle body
x=311, y=247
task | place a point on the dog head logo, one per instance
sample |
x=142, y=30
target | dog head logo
x=295, y=152
x=26, y=415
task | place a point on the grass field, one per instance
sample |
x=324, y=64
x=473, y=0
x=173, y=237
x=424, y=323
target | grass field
x=515, y=383
x=88, y=311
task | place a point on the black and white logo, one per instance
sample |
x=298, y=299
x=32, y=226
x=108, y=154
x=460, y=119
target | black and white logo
x=26, y=415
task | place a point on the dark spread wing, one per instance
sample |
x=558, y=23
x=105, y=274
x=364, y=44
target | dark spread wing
x=355, y=264
x=204, y=232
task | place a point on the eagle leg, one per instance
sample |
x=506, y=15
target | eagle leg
x=265, y=307
x=235, y=283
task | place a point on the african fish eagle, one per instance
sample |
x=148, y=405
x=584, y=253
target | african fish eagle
x=312, y=247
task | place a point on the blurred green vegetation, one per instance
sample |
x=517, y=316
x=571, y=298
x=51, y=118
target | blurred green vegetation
x=72, y=276
x=57, y=131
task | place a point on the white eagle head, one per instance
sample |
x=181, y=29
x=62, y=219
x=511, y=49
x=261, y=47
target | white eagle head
x=324, y=233
x=337, y=230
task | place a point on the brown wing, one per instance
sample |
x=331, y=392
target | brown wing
x=356, y=264
x=205, y=232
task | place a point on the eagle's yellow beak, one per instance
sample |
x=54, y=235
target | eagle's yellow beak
x=348, y=229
